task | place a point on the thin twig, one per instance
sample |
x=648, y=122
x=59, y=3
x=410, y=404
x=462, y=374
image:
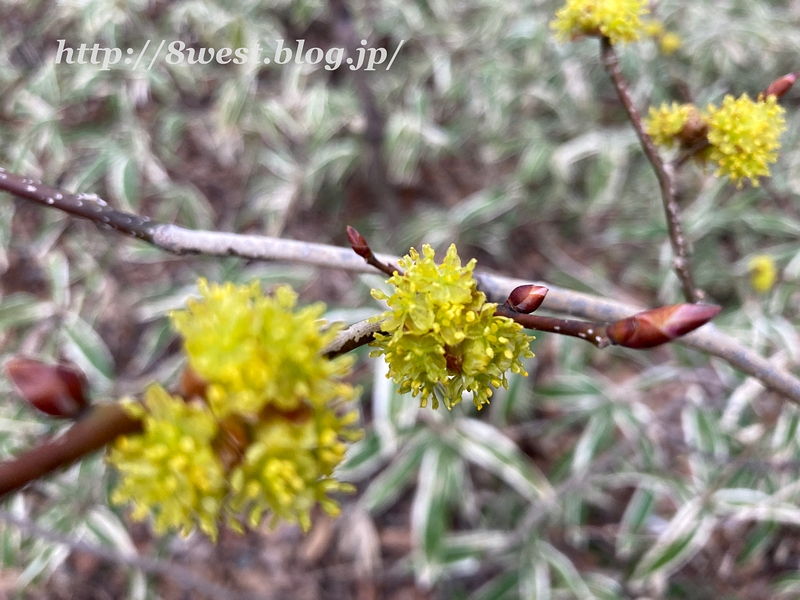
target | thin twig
x=178, y=240
x=594, y=333
x=356, y=335
x=708, y=339
x=100, y=426
x=360, y=246
x=665, y=173
x=180, y=575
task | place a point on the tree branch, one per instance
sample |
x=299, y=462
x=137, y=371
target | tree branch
x=100, y=426
x=178, y=240
x=665, y=173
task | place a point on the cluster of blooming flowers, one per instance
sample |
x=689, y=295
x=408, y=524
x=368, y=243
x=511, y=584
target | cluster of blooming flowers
x=741, y=136
x=266, y=430
x=440, y=334
x=619, y=20
x=261, y=430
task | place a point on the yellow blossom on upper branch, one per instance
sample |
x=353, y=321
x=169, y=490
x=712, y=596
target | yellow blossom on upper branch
x=266, y=435
x=618, y=20
x=668, y=42
x=440, y=331
x=743, y=135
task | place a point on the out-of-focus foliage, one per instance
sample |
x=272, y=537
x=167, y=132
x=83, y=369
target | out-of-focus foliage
x=681, y=474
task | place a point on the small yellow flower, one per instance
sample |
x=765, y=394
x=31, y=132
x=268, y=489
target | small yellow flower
x=618, y=20
x=669, y=43
x=763, y=273
x=439, y=332
x=745, y=136
x=170, y=470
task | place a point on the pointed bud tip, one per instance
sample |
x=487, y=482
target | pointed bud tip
x=781, y=85
x=56, y=390
x=526, y=298
x=652, y=328
x=358, y=243
x=689, y=317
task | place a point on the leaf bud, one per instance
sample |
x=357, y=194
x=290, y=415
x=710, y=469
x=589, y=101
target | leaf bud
x=660, y=325
x=56, y=390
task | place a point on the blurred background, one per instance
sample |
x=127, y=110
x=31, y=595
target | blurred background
x=608, y=474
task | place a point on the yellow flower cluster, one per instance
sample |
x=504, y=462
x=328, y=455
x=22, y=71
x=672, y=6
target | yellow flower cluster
x=268, y=433
x=439, y=332
x=666, y=123
x=618, y=20
x=743, y=134
x=288, y=467
x=763, y=273
x=256, y=351
x=170, y=470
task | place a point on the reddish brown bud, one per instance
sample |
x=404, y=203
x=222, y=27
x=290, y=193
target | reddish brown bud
x=57, y=390
x=781, y=85
x=694, y=131
x=660, y=325
x=526, y=298
x=358, y=243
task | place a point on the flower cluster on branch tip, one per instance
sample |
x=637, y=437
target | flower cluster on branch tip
x=620, y=21
x=267, y=430
x=742, y=136
x=439, y=332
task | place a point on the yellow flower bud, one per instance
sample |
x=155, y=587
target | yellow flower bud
x=669, y=43
x=763, y=273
